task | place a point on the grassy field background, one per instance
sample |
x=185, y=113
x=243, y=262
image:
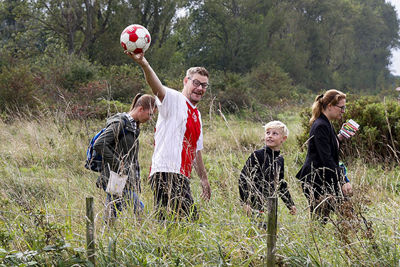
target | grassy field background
x=44, y=185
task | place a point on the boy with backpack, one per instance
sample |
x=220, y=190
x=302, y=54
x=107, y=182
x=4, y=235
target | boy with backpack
x=262, y=175
x=115, y=150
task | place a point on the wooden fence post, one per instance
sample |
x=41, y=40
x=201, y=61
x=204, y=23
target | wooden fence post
x=90, y=242
x=271, y=230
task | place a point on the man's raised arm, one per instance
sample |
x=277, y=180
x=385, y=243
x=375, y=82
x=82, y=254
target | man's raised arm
x=151, y=77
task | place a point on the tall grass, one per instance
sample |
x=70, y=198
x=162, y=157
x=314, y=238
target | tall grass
x=44, y=185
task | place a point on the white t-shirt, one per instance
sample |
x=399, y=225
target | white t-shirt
x=178, y=134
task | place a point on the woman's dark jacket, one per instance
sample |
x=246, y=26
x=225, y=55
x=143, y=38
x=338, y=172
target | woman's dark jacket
x=119, y=143
x=321, y=168
x=257, y=179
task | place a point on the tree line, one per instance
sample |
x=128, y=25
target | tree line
x=259, y=51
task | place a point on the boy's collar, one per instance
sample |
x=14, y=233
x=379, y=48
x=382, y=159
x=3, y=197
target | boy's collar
x=272, y=151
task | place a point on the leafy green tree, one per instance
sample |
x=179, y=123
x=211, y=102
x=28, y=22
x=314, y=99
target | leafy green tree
x=16, y=36
x=228, y=35
x=321, y=44
x=78, y=22
x=159, y=17
x=376, y=32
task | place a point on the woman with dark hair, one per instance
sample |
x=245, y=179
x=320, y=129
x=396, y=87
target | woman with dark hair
x=119, y=146
x=323, y=181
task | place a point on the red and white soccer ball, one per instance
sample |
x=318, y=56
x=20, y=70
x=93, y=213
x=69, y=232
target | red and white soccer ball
x=135, y=38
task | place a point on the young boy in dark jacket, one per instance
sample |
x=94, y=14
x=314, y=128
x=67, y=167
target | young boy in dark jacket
x=262, y=175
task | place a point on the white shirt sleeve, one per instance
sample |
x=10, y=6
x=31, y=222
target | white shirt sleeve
x=200, y=141
x=169, y=103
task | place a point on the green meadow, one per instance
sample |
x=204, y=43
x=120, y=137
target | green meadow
x=44, y=186
x=63, y=71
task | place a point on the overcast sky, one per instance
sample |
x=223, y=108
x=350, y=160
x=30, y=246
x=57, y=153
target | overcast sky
x=395, y=67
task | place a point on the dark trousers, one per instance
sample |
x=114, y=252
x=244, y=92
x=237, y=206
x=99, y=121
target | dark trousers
x=172, y=195
x=115, y=204
x=322, y=200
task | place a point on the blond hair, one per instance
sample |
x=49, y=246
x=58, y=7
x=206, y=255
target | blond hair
x=331, y=96
x=199, y=70
x=277, y=125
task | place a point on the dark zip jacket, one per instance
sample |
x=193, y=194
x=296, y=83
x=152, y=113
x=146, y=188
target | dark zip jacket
x=257, y=179
x=321, y=170
x=120, y=143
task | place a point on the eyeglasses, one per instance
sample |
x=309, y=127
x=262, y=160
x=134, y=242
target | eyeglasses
x=342, y=108
x=197, y=83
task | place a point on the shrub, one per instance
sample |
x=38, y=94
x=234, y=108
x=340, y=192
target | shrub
x=82, y=102
x=64, y=72
x=80, y=72
x=264, y=87
x=105, y=108
x=229, y=90
x=17, y=88
x=124, y=82
x=70, y=84
x=270, y=85
x=377, y=139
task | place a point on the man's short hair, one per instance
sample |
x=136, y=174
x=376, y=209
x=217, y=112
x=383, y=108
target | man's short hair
x=277, y=125
x=200, y=70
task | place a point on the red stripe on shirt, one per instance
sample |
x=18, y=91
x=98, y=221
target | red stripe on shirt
x=192, y=134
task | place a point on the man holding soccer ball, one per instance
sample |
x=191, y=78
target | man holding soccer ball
x=178, y=141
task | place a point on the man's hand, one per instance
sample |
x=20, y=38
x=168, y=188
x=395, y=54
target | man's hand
x=201, y=171
x=293, y=210
x=121, y=168
x=205, y=185
x=347, y=190
x=151, y=77
x=138, y=58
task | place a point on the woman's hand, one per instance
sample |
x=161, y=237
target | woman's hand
x=247, y=209
x=347, y=190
